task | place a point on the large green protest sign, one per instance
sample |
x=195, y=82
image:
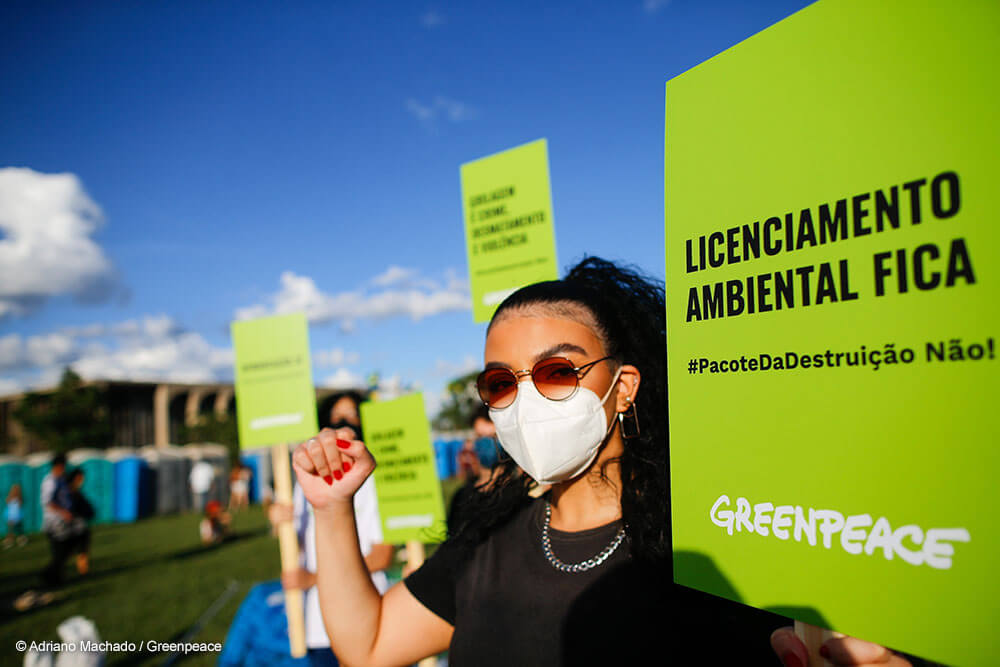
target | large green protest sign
x=406, y=481
x=832, y=288
x=275, y=398
x=510, y=241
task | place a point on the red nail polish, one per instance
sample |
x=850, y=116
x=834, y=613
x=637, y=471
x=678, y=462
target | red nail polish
x=343, y=444
x=328, y=479
x=791, y=660
x=347, y=466
x=824, y=651
x=338, y=474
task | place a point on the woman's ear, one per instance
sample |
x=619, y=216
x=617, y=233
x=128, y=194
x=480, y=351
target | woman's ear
x=628, y=387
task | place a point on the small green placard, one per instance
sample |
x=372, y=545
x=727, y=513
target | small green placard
x=509, y=234
x=832, y=261
x=275, y=398
x=406, y=481
x=409, y=492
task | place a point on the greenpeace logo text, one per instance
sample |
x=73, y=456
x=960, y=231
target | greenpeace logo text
x=856, y=534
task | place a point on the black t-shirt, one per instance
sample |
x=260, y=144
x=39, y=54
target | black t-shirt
x=510, y=606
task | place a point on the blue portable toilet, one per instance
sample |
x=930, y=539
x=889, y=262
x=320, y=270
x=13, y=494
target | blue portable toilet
x=129, y=489
x=441, y=458
x=253, y=463
x=263, y=479
x=454, y=447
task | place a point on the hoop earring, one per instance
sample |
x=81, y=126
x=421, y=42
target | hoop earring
x=629, y=422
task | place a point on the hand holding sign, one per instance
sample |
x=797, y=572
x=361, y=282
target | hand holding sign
x=841, y=650
x=331, y=468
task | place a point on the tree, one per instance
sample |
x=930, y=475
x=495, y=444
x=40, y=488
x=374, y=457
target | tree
x=462, y=402
x=72, y=416
x=220, y=429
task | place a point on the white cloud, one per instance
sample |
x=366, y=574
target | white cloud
x=43, y=350
x=433, y=401
x=453, y=109
x=343, y=379
x=431, y=19
x=451, y=369
x=335, y=357
x=391, y=387
x=185, y=357
x=394, y=275
x=46, y=249
x=653, y=6
x=50, y=349
x=150, y=326
x=11, y=350
x=418, y=299
x=420, y=111
x=439, y=108
x=152, y=348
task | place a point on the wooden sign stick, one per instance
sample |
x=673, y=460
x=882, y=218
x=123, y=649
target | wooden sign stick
x=414, y=559
x=813, y=637
x=288, y=543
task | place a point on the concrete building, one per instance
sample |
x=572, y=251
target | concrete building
x=140, y=413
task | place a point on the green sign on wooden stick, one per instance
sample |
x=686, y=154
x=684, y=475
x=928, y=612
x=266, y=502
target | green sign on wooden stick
x=833, y=275
x=406, y=481
x=275, y=397
x=509, y=234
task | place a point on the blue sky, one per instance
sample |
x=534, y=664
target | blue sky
x=168, y=167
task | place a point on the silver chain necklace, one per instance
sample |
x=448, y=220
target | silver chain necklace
x=588, y=564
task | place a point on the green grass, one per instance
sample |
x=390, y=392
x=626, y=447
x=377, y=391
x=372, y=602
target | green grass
x=150, y=580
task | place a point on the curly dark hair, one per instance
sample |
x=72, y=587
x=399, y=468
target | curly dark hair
x=629, y=317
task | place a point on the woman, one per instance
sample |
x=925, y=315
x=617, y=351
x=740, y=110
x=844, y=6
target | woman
x=576, y=383
x=339, y=411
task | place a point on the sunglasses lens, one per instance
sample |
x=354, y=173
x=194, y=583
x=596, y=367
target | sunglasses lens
x=497, y=387
x=555, y=378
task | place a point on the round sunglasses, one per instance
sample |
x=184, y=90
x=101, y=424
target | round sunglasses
x=556, y=378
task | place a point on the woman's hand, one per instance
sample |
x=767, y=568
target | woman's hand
x=300, y=579
x=331, y=467
x=279, y=513
x=838, y=651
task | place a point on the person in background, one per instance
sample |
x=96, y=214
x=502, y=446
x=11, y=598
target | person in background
x=341, y=412
x=475, y=465
x=485, y=437
x=239, y=487
x=214, y=526
x=83, y=512
x=15, y=518
x=56, y=519
x=202, y=478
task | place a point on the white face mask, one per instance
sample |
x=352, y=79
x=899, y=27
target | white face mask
x=553, y=441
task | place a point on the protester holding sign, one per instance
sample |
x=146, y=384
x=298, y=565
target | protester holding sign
x=476, y=461
x=582, y=574
x=341, y=410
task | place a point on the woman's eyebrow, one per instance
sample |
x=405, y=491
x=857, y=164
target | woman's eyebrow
x=561, y=348
x=555, y=350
